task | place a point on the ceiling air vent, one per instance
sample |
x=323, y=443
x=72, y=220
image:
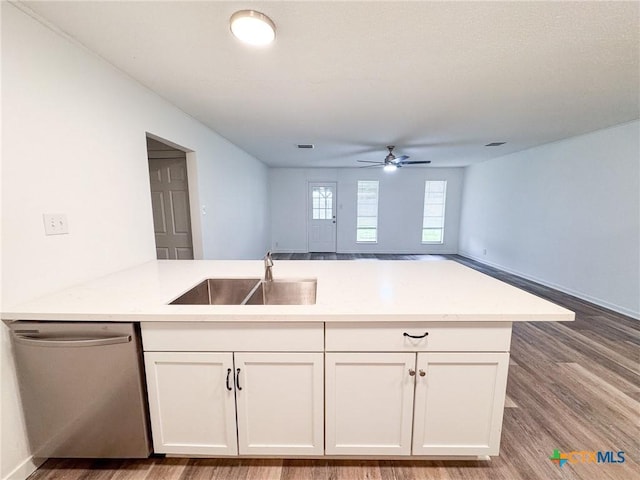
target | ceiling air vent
x=305, y=145
x=495, y=144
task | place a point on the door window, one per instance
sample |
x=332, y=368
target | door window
x=322, y=198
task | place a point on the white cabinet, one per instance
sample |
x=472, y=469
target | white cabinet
x=418, y=337
x=459, y=402
x=191, y=408
x=282, y=389
x=193, y=398
x=369, y=401
x=280, y=403
x=459, y=399
x=228, y=403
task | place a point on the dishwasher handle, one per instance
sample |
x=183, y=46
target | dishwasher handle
x=68, y=342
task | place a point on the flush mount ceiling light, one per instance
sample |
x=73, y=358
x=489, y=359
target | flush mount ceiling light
x=253, y=27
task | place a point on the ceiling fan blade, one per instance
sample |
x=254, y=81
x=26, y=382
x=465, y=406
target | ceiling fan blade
x=372, y=166
x=418, y=162
x=400, y=159
x=367, y=161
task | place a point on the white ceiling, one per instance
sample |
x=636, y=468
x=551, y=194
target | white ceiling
x=437, y=79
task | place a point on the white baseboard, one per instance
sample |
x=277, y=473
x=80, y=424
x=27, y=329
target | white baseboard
x=26, y=468
x=396, y=252
x=598, y=301
x=367, y=252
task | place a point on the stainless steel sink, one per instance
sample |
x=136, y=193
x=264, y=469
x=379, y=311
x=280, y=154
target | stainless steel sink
x=284, y=292
x=250, y=291
x=218, y=291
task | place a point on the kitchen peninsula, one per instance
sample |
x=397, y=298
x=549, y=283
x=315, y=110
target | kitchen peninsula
x=395, y=358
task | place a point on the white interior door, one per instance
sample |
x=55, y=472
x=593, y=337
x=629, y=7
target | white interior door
x=170, y=202
x=369, y=403
x=280, y=403
x=321, y=230
x=459, y=403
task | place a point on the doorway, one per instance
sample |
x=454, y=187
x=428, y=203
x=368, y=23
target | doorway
x=170, y=201
x=321, y=224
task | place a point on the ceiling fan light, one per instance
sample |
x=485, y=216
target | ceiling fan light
x=390, y=167
x=253, y=27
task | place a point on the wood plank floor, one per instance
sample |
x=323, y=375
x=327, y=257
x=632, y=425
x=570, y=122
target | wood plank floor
x=572, y=386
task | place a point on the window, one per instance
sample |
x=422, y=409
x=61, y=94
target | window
x=322, y=198
x=367, y=222
x=435, y=194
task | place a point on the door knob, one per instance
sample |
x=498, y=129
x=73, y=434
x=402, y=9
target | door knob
x=422, y=373
x=412, y=372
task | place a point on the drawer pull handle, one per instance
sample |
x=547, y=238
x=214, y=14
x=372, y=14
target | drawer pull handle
x=415, y=336
x=238, y=379
x=228, y=374
x=412, y=372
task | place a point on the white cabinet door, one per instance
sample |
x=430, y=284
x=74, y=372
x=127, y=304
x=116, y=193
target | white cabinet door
x=369, y=403
x=280, y=403
x=459, y=403
x=192, y=410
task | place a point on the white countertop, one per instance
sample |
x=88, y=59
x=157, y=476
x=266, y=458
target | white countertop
x=367, y=290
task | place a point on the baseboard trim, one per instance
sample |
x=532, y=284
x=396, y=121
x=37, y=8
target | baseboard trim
x=408, y=458
x=597, y=301
x=397, y=252
x=363, y=252
x=287, y=250
x=26, y=468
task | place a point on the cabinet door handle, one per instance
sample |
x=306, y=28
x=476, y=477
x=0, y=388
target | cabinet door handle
x=238, y=379
x=412, y=372
x=228, y=375
x=422, y=372
x=415, y=336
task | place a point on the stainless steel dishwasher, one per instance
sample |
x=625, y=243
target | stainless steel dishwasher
x=82, y=389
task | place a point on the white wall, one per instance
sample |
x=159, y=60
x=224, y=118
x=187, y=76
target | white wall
x=73, y=131
x=401, y=197
x=566, y=214
x=288, y=202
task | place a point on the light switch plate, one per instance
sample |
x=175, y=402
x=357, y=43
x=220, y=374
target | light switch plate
x=55, y=224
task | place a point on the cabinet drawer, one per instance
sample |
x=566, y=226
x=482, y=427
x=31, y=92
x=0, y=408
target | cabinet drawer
x=441, y=337
x=237, y=337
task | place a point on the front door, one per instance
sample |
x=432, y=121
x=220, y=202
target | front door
x=170, y=202
x=321, y=230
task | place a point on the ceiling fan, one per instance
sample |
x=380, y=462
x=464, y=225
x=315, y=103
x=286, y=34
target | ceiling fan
x=391, y=162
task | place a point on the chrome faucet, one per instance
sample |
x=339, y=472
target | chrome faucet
x=268, y=265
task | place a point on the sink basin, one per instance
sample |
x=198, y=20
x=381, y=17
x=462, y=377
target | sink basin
x=250, y=291
x=218, y=291
x=284, y=292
